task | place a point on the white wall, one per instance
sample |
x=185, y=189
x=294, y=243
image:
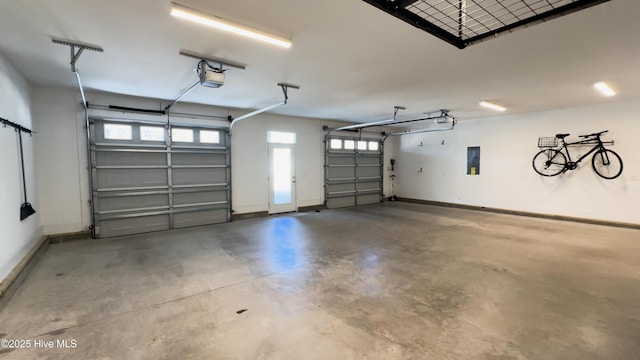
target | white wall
x=61, y=155
x=507, y=179
x=16, y=237
x=250, y=166
x=61, y=160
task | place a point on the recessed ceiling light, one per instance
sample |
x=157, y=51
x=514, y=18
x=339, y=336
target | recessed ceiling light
x=604, y=88
x=186, y=13
x=492, y=106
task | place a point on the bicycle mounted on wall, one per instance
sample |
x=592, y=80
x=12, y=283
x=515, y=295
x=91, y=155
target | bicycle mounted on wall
x=552, y=161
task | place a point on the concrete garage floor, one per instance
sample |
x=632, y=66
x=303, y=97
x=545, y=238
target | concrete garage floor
x=390, y=281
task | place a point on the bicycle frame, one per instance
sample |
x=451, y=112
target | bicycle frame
x=599, y=145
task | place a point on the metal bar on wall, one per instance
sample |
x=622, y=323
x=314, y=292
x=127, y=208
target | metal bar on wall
x=16, y=126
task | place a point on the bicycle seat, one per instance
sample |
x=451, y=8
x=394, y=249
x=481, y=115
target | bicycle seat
x=562, y=136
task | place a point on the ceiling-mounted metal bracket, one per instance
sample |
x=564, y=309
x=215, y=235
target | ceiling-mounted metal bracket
x=76, y=49
x=285, y=87
x=395, y=110
x=220, y=61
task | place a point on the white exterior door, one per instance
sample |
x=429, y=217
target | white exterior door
x=282, y=178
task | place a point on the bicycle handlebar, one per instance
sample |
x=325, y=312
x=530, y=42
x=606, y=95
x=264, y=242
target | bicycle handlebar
x=594, y=134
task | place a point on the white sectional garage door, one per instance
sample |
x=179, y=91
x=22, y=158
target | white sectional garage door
x=145, y=180
x=353, y=171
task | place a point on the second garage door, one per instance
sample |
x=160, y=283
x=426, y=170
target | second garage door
x=353, y=171
x=147, y=177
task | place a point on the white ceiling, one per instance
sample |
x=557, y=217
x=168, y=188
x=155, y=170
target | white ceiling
x=353, y=61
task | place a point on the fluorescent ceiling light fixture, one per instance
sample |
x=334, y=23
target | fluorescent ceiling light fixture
x=604, y=88
x=492, y=106
x=186, y=13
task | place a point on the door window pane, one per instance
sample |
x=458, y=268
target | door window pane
x=151, y=133
x=117, y=132
x=335, y=144
x=349, y=144
x=373, y=145
x=362, y=145
x=282, y=176
x=281, y=137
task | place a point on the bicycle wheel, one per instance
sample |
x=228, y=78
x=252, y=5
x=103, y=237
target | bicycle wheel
x=549, y=162
x=607, y=164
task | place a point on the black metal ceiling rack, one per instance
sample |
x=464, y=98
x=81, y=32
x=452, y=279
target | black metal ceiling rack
x=465, y=22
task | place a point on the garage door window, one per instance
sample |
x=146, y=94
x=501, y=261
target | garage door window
x=209, y=137
x=151, y=133
x=182, y=135
x=117, y=132
x=362, y=145
x=374, y=145
x=336, y=144
x=349, y=144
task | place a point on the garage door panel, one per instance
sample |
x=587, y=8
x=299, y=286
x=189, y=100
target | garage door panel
x=127, y=178
x=199, y=176
x=198, y=159
x=132, y=202
x=340, y=172
x=368, y=160
x=133, y=225
x=343, y=160
x=199, y=197
x=197, y=218
x=368, y=199
x=368, y=171
x=106, y=158
x=368, y=185
x=341, y=187
x=333, y=203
